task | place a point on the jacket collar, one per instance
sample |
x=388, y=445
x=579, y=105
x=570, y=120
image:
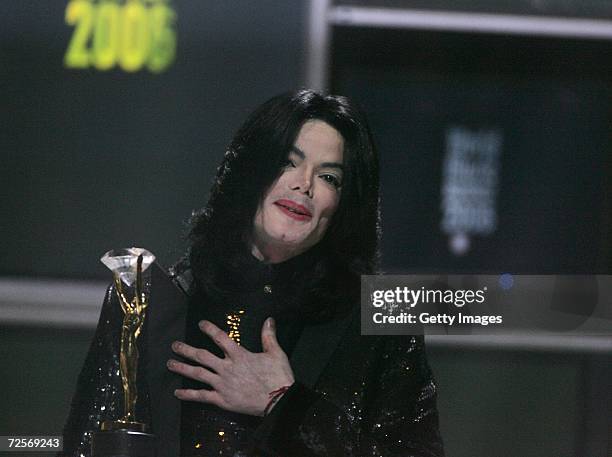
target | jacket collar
x=316, y=346
x=165, y=323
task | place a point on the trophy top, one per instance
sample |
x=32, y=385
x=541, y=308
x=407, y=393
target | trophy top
x=124, y=261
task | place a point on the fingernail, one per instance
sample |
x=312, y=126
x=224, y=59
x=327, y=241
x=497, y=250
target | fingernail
x=201, y=324
x=271, y=324
x=170, y=363
x=176, y=345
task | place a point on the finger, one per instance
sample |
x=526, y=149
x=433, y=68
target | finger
x=220, y=338
x=201, y=356
x=197, y=373
x=269, y=343
x=201, y=395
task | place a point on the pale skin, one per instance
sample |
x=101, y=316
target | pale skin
x=242, y=381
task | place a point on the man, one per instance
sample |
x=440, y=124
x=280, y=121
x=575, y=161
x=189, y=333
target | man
x=263, y=355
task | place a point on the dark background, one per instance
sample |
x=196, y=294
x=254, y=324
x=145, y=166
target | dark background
x=551, y=99
x=99, y=160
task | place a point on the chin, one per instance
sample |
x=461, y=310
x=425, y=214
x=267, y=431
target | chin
x=289, y=233
x=290, y=239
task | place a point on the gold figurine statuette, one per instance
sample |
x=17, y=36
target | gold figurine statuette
x=121, y=262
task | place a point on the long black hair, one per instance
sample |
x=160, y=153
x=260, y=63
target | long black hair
x=220, y=231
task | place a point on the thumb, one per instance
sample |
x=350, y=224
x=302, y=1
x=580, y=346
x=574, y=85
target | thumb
x=269, y=343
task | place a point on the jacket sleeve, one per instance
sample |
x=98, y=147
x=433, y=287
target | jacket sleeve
x=398, y=415
x=98, y=395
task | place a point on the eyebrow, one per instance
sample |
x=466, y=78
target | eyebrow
x=301, y=155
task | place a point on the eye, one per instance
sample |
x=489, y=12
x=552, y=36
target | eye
x=288, y=163
x=331, y=179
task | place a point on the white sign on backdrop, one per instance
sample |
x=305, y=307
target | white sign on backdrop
x=470, y=177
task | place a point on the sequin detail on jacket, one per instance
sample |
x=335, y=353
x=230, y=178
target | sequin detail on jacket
x=374, y=397
x=99, y=392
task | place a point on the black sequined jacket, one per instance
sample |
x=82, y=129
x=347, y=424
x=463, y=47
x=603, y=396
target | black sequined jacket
x=354, y=396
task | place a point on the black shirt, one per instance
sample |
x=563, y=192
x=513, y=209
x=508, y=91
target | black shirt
x=205, y=429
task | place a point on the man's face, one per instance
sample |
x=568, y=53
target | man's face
x=297, y=209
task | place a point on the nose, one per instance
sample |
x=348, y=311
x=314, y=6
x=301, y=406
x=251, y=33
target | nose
x=302, y=182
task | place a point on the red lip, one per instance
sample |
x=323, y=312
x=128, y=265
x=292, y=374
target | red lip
x=293, y=209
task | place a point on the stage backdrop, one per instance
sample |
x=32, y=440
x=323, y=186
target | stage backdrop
x=495, y=150
x=116, y=114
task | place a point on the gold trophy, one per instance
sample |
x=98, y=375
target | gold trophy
x=126, y=436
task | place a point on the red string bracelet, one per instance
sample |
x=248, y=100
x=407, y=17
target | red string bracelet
x=274, y=397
